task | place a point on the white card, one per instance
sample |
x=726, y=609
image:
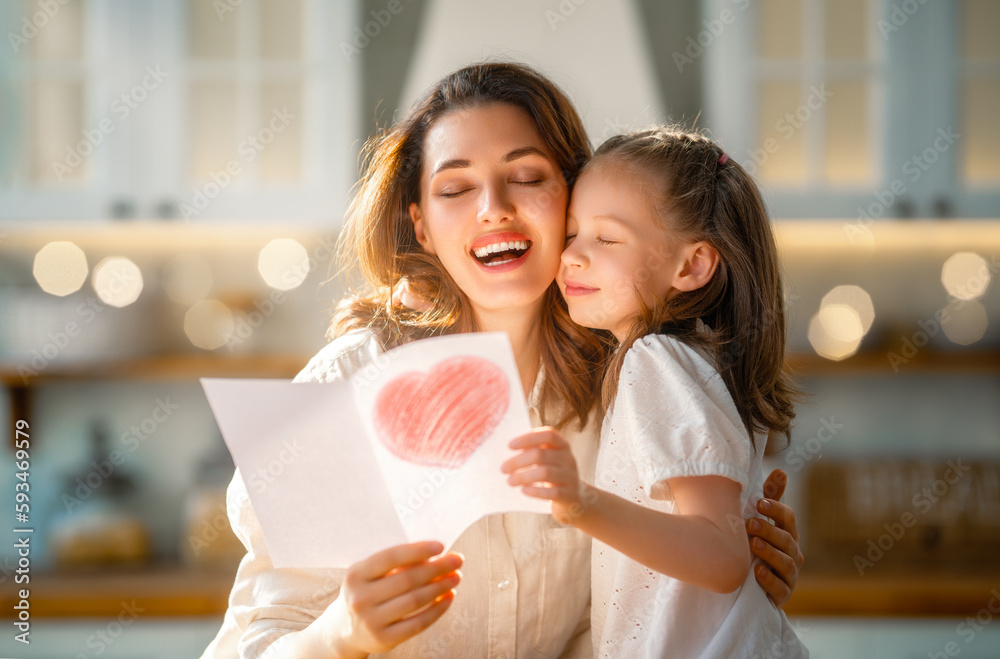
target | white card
x=408, y=449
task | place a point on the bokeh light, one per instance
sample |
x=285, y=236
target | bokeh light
x=964, y=322
x=117, y=281
x=208, y=324
x=283, y=263
x=187, y=278
x=857, y=299
x=965, y=275
x=842, y=321
x=60, y=268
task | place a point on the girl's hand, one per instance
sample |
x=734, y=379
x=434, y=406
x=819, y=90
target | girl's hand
x=546, y=469
x=777, y=544
x=389, y=597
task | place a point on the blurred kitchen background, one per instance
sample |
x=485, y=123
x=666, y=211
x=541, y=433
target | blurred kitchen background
x=173, y=174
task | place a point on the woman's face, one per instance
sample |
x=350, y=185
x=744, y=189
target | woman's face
x=492, y=205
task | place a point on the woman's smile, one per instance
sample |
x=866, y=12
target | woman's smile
x=501, y=252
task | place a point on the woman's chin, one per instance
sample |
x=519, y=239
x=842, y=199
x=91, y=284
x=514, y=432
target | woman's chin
x=520, y=297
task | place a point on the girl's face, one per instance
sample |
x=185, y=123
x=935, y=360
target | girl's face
x=492, y=205
x=617, y=251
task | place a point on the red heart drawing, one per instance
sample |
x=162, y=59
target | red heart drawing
x=439, y=418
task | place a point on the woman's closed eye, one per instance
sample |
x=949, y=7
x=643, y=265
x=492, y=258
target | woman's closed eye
x=451, y=192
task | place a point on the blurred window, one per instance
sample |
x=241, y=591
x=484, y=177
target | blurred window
x=859, y=108
x=194, y=109
x=247, y=74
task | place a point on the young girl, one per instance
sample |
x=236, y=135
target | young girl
x=669, y=248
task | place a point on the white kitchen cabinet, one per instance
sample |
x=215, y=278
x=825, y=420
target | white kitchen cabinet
x=189, y=109
x=857, y=108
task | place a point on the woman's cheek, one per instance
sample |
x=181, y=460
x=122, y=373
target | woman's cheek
x=549, y=202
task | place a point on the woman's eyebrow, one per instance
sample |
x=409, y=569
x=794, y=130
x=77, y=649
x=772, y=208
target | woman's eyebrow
x=522, y=152
x=513, y=155
x=451, y=164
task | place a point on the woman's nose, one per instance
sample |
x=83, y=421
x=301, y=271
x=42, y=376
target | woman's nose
x=495, y=205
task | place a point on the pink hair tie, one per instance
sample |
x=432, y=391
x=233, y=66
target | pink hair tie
x=724, y=159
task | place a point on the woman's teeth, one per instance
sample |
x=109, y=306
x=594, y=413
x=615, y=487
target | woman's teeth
x=482, y=252
x=501, y=252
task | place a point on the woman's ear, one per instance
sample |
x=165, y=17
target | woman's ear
x=698, y=265
x=420, y=229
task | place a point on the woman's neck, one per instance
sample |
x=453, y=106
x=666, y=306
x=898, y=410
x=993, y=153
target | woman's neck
x=523, y=326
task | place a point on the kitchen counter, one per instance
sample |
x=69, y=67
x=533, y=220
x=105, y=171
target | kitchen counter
x=175, y=591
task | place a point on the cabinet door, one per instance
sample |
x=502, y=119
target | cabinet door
x=185, y=109
x=858, y=108
x=267, y=102
x=61, y=131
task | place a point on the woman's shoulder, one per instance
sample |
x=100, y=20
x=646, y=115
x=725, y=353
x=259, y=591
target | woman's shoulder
x=342, y=357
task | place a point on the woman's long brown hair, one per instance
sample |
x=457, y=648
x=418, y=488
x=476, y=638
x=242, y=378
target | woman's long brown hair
x=699, y=195
x=378, y=246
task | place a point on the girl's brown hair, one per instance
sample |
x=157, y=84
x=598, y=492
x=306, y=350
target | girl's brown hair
x=700, y=195
x=378, y=245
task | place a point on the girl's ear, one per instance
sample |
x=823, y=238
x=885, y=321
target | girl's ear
x=698, y=265
x=420, y=229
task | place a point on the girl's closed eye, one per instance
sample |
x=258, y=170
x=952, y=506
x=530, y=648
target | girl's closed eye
x=605, y=241
x=570, y=237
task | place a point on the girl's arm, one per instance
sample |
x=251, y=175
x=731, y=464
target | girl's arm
x=703, y=543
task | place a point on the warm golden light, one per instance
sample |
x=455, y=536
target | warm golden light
x=60, y=268
x=845, y=322
x=841, y=322
x=283, y=263
x=208, y=324
x=965, y=275
x=964, y=322
x=857, y=299
x=117, y=281
x=187, y=278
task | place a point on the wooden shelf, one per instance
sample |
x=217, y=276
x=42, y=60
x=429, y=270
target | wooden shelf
x=176, y=591
x=877, y=363
x=193, y=366
x=168, y=591
x=167, y=367
x=891, y=595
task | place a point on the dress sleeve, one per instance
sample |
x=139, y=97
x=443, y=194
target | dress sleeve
x=267, y=603
x=678, y=417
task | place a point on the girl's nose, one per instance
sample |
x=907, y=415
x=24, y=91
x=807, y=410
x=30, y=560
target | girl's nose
x=494, y=204
x=573, y=255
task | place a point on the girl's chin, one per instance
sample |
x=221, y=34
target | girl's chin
x=585, y=320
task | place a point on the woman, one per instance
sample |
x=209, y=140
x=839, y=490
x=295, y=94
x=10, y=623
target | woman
x=465, y=199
